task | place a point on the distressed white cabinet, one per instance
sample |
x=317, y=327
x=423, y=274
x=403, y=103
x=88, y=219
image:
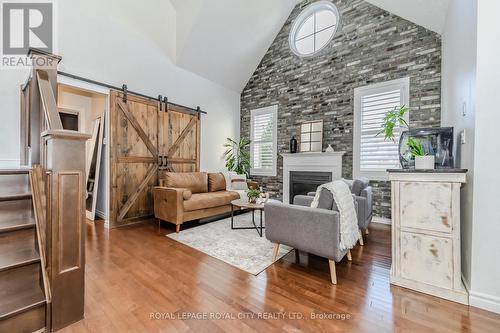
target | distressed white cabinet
x=426, y=232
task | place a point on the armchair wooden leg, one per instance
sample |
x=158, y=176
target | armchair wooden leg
x=276, y=250
x=361, y=241
x=333, y=273
x=349, y=255
x=367, y=232
x=177, y=228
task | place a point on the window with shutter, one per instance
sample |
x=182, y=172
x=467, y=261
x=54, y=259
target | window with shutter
x=372, y=154
x=263, y=136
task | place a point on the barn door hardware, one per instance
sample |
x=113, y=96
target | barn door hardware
x=125, y=89
x=165, y=101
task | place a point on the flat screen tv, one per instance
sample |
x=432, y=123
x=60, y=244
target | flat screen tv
x=437, y=141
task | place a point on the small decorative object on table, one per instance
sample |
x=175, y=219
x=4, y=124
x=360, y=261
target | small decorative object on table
x=422, y=159
x=253, y=195
x=329, y=149
x=293, y=144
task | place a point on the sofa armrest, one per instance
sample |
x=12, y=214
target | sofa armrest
x=308, y=229
x=365, y=202
x=168, y=203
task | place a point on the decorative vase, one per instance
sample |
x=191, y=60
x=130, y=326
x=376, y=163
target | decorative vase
x=329, y=149
x=252, y=200
x=293, y=145
x=424, y=162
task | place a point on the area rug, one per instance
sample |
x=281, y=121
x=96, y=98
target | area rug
x=243, y=249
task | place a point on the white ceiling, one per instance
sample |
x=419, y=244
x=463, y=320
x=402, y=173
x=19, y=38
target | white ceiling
x=224, y=40
x=430, y=14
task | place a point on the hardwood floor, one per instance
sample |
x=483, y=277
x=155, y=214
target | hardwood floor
x=135, y=273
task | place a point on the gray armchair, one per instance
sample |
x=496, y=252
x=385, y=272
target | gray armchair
x=363, y=193
x=312, y=230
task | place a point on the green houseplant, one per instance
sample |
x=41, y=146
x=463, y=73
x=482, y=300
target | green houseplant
x=253, y=195
x=422, y=159
x=393, y=119
x=396, y=118
x=237, y=156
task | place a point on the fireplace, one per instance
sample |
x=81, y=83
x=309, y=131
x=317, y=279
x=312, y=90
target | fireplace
x=302, y=182
x=310, y=170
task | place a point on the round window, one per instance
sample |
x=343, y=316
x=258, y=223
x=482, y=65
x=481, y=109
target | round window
x=314, y=28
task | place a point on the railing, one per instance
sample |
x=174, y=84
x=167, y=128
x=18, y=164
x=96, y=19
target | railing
x=39, y=197
x=58, y=194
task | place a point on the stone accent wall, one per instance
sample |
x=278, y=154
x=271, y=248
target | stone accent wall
x=372, y=46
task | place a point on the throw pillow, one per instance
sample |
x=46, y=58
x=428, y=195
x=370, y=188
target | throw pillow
x=239, y=182
x=325, y=200
x=216, y=182
x=359, y=185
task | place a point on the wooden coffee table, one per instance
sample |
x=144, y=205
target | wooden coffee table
x=244, y=204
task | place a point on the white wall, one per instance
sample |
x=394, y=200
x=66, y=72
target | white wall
x=458, y=91
x=100, y=40
x=485, y=282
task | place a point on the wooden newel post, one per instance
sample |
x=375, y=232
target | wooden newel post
x=64, y=158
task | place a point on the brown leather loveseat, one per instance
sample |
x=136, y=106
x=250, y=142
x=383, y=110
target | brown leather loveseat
x=189, y=196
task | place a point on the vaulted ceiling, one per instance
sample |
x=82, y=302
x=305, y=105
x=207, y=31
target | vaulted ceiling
x=224, y=40
x=430, y=14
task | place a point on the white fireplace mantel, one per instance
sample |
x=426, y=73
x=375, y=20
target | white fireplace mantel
x=312, y=162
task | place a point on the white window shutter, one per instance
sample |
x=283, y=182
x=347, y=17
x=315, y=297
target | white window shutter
x=263, y=136
x=373, y=155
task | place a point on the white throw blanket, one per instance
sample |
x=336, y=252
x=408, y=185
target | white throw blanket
x=349, y=230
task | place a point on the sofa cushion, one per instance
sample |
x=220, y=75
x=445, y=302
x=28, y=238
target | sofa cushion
x=209, y=200
x=196, y=182
x=326, y=200
x=216, y=182
x=359, y=185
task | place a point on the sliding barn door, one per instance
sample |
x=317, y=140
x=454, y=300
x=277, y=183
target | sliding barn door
x=133, y=157
x=179, y=134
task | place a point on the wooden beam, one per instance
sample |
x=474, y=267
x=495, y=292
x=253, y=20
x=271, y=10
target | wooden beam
x=181, y=137
x=138, y=128
x=135, y=159
x=131, y=200
x=181, y=160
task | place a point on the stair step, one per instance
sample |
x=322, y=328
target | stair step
x=14, y=185
x=17, y=248
x=16, y=215
x=21, y=290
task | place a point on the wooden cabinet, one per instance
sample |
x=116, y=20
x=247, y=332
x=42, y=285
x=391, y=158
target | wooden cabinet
x=426, y=232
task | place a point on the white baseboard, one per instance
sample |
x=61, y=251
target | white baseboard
x=484, y=301
x=381, y=220
x=102, y=215
x=9, y=163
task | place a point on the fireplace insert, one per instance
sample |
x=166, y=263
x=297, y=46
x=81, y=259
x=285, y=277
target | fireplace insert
x=302, y=182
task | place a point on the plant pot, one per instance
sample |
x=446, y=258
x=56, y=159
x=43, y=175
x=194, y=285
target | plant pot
x=424, y=162
x=252, y=200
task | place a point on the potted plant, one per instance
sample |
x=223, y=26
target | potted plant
x=253, y=194
x=396, y=118
x=237, y=156
x=422, y=159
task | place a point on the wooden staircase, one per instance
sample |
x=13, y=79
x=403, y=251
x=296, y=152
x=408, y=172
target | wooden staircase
x=23, y=295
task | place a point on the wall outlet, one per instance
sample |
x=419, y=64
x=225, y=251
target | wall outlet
x=462, y=137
